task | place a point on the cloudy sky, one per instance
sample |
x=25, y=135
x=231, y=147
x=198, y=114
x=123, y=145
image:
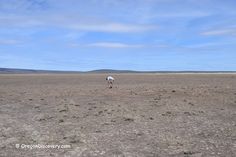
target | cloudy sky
x=118, y=34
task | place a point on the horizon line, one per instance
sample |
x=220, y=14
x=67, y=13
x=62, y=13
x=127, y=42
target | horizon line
x=19, y=70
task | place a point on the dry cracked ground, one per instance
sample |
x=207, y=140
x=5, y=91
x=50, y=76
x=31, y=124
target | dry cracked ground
x=143, y=115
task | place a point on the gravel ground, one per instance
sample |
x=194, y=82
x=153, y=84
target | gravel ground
x=143, y=115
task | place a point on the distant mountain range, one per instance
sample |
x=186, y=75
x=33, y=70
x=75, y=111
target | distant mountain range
x=29, y=71
x=23, y=71
x=32, y=71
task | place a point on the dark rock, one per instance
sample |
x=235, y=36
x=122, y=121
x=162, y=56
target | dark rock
x=151, y=118
x=191, y=104
x=63, y=110
x=61, y=120
x=129, y=119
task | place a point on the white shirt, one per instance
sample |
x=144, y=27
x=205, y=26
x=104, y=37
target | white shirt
x=109, y=78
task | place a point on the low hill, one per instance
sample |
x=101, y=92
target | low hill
x=29, y=71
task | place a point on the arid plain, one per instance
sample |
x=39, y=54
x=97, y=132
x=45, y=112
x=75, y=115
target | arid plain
x=143, y=115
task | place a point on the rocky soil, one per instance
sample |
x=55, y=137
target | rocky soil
x=143, y=115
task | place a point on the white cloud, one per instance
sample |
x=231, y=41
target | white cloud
x=20, y=21
x=181, y=14
x=113, y=45
x=9, y=42
x=202, y=45
x=113, y=27
x=76, y=23
x=230, y=31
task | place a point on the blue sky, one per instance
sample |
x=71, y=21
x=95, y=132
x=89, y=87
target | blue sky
x=118, y=34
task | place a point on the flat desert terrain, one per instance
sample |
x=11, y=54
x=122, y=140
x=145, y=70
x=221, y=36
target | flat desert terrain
x=143, y=115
